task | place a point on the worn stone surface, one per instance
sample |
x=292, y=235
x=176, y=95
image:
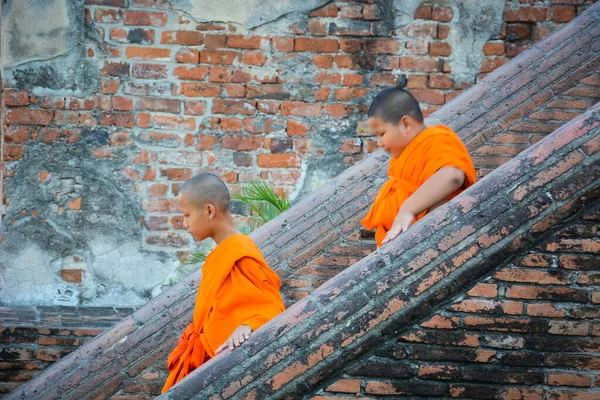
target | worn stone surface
x=83, y=215
x=48, y=55
x=250, y=13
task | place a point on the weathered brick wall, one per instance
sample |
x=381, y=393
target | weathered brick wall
x=530, y=331
x=33, y=338
x=176, y=97
x=313, y=228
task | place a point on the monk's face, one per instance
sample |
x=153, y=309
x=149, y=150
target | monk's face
x=196, y=220
x=393, y=138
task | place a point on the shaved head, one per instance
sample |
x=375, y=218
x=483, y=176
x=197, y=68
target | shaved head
x=205, y=189
x=392, y=104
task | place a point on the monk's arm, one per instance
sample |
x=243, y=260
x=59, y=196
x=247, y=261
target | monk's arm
x=431, y=193
x=434, y=190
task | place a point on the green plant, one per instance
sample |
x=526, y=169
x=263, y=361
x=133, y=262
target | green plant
x=264, y=203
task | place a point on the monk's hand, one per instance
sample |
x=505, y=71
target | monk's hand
x=239, y=336
x=400, y=225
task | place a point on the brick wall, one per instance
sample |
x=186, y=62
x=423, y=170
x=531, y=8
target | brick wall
x=33, y=338
x=185, y=97
x=528, y=331
x=324, y=226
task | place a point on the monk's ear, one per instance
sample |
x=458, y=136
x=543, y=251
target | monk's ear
x=211, y=211
x=407, y=122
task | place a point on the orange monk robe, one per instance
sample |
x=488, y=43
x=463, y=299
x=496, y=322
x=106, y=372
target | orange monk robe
x=435, y=147
x=237, y=288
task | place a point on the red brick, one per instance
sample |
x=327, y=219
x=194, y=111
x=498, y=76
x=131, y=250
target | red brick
x=29, y=117
x=443, y=31
x=383, y=46
x=491, y=64
x=187, y=56
x=423, y=12
x=16, y=134
x=173, y=122
x=219, y=57
x=158, y=104
x=194, y=89
x=12, y=153
x=14, y=98
x=231, y=124
x=242, y=143
x=544, y=310
x=284, y=44
x=191, y=73
x=107, y=15
x=184, y=38
x=122, y=103
x=206, y=142
x=296, y=128
x=344, y=386
x=132, y=35
x=220, y=74
x=524, y=14
x=316, y=45
x=349, y=94
x=148, y=53
x=149, y=71
x=71, y=275
x=568, y=328
x=254, y=58
x=421, y=64
x=442, y=14
x=493, y=48
x=49, y=135
x=563, y=13
x=322, y=61
x=116, y=119
x=145, y=18
x=191, y=107
x=268, y=107
x=300, y=109
x=428, y=96
x=439, y=49
x=176, y=174
x=234, y=107
x=267, y=160
x=118, y=69
x=328, y=11
x=241, y=42
x=216, y=41
x=484, y=290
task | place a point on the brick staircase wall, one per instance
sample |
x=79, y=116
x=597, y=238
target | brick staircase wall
x=33, y=338
x=530, y=330
x=300, y=234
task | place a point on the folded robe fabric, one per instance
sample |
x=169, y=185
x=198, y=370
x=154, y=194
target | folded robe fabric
x=237, y=288
x=435, y=147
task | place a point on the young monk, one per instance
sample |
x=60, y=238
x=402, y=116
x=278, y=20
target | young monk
x=238, y=292
x=429, y=165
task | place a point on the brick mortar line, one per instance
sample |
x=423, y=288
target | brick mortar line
x=532, y=194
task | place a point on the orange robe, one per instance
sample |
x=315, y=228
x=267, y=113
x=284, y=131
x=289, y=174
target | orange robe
x=237, y=288
x=435, y=147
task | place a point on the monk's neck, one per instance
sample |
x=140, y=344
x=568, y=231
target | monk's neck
x=225, y=232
